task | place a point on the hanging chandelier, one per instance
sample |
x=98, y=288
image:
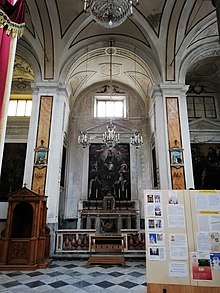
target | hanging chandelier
x=110, y=138
x=110, y=13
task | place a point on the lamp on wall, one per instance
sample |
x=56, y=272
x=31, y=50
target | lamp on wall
x=110, y=13
x=83, y=139
x=136, y=140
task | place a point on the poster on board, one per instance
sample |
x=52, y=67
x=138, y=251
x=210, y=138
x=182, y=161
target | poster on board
x=201, y=266
x=215, y=261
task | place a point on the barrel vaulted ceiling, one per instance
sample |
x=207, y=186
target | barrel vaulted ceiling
x=62, y=42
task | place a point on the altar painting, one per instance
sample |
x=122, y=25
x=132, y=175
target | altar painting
x=109, y=171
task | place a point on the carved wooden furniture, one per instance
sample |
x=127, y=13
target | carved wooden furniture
x=107, y=250
x=25, y=241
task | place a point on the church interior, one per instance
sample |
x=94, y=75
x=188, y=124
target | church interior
x=97, y=111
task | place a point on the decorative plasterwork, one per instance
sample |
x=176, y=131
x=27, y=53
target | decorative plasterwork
x=105, y=69
x=94, y=68
x=204, y=124
x=23, y=76
x=17, y=128
x=80, y=79
x=22, y=70
x=141, y=80
x=206, y=54
x=211, y=30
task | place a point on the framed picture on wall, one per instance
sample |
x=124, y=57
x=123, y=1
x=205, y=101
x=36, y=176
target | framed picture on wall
x=109, y=171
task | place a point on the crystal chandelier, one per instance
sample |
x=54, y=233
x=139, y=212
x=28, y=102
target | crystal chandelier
x=110, y=138
x=136, y=140
x=110, y=13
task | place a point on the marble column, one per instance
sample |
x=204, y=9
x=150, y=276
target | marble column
x=47, y=124
x=172, y=138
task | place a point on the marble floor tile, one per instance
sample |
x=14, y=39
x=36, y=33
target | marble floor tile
x=76, y=276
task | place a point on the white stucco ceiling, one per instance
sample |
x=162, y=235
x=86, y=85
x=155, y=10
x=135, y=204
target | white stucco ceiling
x=64, y=44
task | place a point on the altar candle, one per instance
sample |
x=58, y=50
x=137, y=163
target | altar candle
x=97, y=193
x=119, y=195
x=126, y=193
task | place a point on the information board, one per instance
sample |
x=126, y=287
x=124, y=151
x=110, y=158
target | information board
x=183, y=237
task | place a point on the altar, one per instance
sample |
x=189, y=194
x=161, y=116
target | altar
x=109, y=216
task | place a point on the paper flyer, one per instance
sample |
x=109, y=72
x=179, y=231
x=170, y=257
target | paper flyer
x=176, y=216
x=155, y=224
x=156, y=253
x=154, y=205
x=178, y=246
x=172, y=197
x=178, y=270
x=207, y=222
x=154, y=210
x=201, y=266
x=215, y=261
x=156, y=238
x=207, y=201
x=154, y=198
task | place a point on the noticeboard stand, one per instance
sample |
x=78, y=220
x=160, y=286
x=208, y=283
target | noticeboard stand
x=165, y=206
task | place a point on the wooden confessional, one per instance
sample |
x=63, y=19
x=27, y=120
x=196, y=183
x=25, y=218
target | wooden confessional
x=25, y=241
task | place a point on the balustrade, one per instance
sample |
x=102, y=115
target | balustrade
x=73, y=241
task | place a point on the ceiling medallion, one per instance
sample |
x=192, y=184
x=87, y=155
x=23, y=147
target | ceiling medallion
x=110, y=13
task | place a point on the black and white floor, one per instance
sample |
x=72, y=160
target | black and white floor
x=77, y=276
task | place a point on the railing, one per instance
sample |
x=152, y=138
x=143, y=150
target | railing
x=76, y=241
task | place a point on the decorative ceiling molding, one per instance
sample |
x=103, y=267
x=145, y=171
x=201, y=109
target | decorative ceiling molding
x=141, y=80
x=204, y=124
x=23, y=71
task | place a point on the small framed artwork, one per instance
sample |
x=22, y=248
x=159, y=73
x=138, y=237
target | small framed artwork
x=176, y=154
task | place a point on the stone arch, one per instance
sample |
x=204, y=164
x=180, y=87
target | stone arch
x=84, y=68
x=128, y=69
x=196, y=55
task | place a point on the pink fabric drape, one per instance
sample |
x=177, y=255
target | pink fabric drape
x=16, y=14
x=4, y=56
x=14, y=9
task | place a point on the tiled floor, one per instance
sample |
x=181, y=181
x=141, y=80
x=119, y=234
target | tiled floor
x=77, y=276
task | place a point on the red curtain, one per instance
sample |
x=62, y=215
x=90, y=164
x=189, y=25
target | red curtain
x=16, y=15
x=15, y=12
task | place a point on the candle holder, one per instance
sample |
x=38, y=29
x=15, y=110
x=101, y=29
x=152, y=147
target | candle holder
x=119, y=200
x=89, y=202
x=96, y=198
x=126, y=197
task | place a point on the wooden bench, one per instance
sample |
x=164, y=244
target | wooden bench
x=107, y=250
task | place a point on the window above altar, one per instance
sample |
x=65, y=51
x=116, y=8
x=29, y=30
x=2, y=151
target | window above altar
x=110, y=106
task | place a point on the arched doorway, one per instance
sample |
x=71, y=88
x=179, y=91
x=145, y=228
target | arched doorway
x=203, y=114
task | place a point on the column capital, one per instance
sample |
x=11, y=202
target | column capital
x=170, y=89
x=51, y=88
